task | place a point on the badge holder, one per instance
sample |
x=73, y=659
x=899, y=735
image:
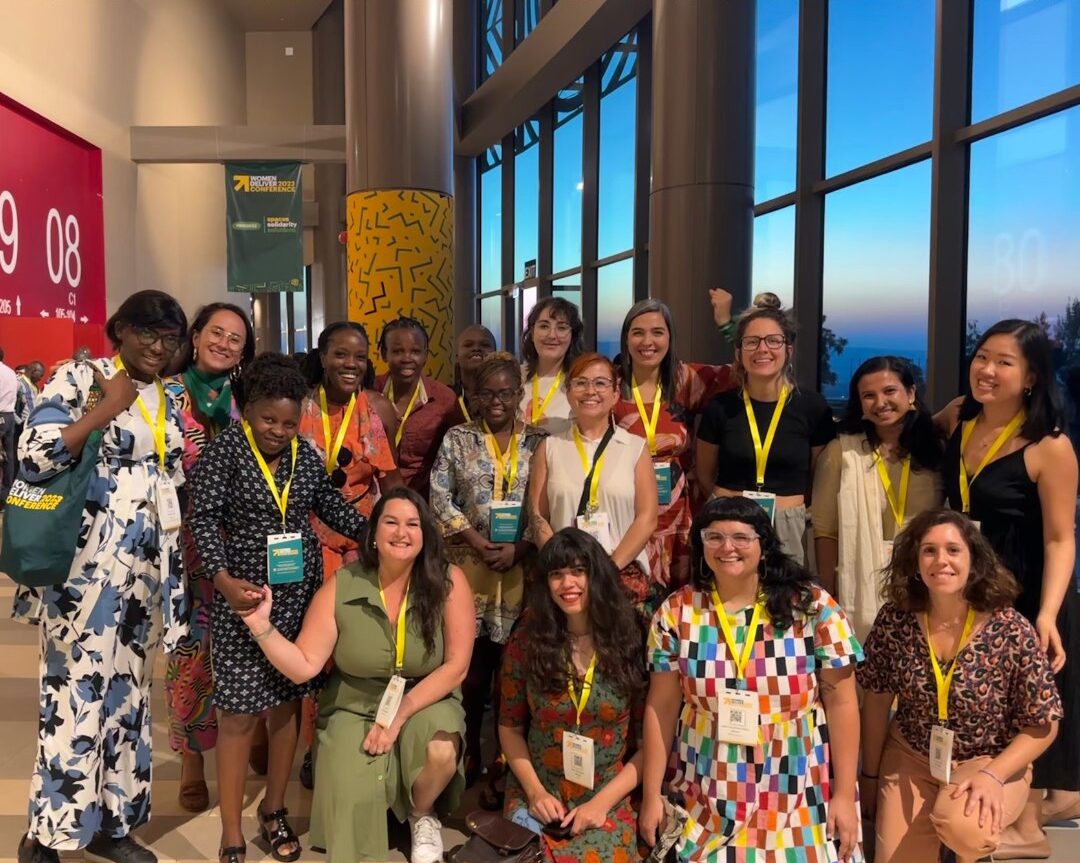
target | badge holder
x=168, y=504
x=941, y=749
x=390, y=702
x=284, y=558
x=579, y=759
x=663, y=482
x=737, y=717
x=505, y=521
x=598, y=526
x=766, y=500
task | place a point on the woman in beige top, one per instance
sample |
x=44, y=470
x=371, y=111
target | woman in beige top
x=875, y=477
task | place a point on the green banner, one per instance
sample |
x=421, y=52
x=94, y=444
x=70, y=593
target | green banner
x=265, y=221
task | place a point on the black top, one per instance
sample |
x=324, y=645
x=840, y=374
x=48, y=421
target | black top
x=806, y=422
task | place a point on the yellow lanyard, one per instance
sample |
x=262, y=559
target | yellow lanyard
x=540, y=407
x=945, y=682
x=399, y=642
x=156, y=429
x=332, y=452
x=282, y=498
x=648, y=421
x=899, y=507
x=761, y=452
x=464, y=410
x=586, y=688
x=586, y=466
x=408, y=410
x=999, y=442
x=506, y=466
x=740, y=660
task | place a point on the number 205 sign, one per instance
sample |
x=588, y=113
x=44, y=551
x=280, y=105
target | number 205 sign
x=52, y=262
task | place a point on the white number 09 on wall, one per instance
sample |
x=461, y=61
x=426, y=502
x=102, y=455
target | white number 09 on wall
x=9, y=233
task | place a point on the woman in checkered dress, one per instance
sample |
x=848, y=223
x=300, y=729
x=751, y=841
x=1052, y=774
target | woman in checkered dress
x=753, y=764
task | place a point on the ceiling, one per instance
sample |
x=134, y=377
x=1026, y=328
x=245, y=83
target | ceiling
x=261, y=15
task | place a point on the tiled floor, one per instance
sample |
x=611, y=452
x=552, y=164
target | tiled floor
x=176, y=835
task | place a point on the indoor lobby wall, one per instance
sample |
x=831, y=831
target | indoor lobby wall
x=98, y=67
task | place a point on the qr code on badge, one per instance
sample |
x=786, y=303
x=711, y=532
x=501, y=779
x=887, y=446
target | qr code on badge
x=737, y=717
x=938, y=753
x=578, y=760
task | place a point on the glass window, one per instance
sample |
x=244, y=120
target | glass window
x=526, y=198
x=491, y=316
x=568, y=288
x=528, y=300
x=567, y=182
x=526, y=17
x=491, y=29
x=614, y=297
x=876, y=274
x=777, y=77
x=300, y=317
x=1023, y=254
x=880, y=80
x=490, y=168
x=1022, y=50
x=774, y=254
x=618, y=121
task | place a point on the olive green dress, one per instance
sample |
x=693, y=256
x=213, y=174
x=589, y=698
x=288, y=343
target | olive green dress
x=354, y=789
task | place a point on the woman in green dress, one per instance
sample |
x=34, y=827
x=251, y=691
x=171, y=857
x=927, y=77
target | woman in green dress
x=398, y=617
x=573, y=682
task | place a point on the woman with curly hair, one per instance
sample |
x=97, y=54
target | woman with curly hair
x=977, y=700
x=754, y=664
x=254, y=491
x=572, y=679
x=554, y=337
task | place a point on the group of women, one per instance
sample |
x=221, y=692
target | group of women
x=616, y=553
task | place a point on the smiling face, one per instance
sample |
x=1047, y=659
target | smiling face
x=757, y=357
x=944, y=561
x=274, y=423
x=884, y=400
x=398, y=533
x=551, y=336
x=732, y=549
x=220, y=344
x=406, y=354
x=344, y=363
x=570, y=589
x=998, y=372
x=592, y=394
x=473, y=345
x=648, y=340
x=499, y=397
x=146, y=351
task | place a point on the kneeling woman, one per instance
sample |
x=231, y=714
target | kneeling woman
x=400, y=616
x=972, y=683
x=574, y=666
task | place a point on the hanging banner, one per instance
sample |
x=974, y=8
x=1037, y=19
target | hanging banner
x=264, y=223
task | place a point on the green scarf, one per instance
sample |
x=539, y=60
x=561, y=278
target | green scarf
x=199, y=385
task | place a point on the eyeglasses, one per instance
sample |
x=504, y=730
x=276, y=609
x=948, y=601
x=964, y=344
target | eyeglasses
x=233, y=340
x=774, y=342
x=560, y=329
x=147, y=337
x=507, y=396
x=715, y=539
x=344, y=459
x=601, y=385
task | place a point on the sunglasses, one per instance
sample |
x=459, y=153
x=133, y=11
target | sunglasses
x=344, y=459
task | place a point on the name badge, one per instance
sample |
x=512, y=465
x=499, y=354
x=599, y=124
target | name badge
x=390, y=701
x=505, y=521
x=886, y=551
x=578, y=760
x=284, y=558
x=766, y=500
x=168, y=504
x=737, y=717
x=941, y=748
x=598, y=526
x=663, y=482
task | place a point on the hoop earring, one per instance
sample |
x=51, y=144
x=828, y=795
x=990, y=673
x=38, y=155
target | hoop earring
x=1027, y=392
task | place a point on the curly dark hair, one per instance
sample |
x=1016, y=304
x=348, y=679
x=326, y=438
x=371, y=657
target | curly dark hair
x=617, y=632
x=560, y=309
x=785, y=585
x=156, y=310
x=402, y=323
x=313, y=368
x=990, y=585
x=429, y=584
x=271, y=376
x=202, y=318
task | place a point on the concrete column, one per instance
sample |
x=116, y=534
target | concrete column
x=399, y=148
x=702, y=200
x=466, y=266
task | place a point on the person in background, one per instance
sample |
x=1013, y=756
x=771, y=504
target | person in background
x=554, y=337
x=29, y=380
x=879, y=473
x=968, y=678
x=424, y=407
x=219, y=342
x=763, y=439
x=473, y=344
x=9, y=391
x=99, y=629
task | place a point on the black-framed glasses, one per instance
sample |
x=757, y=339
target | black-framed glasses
x=506, y=396
x=344, y=459
x=773, y=342
x=147, y=337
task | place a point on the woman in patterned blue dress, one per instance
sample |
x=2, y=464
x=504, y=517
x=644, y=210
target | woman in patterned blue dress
x=100, y=628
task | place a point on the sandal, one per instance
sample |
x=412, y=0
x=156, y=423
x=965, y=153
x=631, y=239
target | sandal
x=282, y=834
x=232, y=854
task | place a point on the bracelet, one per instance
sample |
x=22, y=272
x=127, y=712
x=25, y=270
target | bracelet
x=728, y=330
x=866, y=775
x=1000, y=782
x=260, y=636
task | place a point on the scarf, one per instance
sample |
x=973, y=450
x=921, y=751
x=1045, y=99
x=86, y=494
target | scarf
x=199, y=385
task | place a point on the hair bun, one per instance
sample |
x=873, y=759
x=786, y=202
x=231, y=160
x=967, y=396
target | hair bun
x=767, y=300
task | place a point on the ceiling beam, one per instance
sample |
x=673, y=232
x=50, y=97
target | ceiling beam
x=195, y=144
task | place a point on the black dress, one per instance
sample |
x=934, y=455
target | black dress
x=232, y=513
x=1005, y=501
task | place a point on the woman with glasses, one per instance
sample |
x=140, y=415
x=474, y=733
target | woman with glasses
x=100, y=628
x=477, y=495
x=554, y=337
x=597, y=476
x=762, y=440
x=753, y=679
x=219, y=342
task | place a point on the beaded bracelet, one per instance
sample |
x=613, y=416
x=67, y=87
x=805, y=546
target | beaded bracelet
x=1000, y=782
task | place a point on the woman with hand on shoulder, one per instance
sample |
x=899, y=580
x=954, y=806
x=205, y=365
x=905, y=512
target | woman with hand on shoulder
x=399, y=627
x=763, y=439
x=597, y=476
x=574, y=667
x=976, y=701
x=1009, y=465
x=879, y=473
x=553, y=339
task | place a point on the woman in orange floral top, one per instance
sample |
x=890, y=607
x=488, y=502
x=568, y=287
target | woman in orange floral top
x=574, y=665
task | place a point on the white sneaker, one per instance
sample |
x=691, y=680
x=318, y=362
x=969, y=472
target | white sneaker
x=427, y=845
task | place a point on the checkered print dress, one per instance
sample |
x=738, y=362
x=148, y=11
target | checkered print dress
x=766, y=803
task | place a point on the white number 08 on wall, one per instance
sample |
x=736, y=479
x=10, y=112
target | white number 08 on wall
x=61, y=242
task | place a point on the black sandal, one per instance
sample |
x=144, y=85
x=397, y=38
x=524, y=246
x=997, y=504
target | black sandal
x=232, y=854
x=283, y=834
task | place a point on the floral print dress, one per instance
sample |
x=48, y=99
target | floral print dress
x=100, y=628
